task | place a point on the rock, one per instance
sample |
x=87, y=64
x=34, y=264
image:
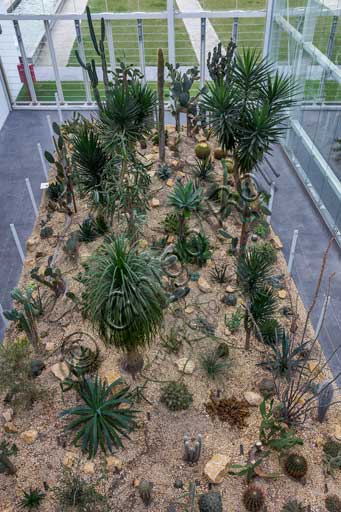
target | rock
x=337, y=433
x=89, y=468
x=185, y=365
x=203, y=285
x=44, y=334
x=142, y=244
x=267, y=387
x=178, y=484
x=155, y=202
x=170, y=182
x=275, y=241
x=254, y=399
x=10, y=428
x=230, y=289
x=49, y=347
x=230, y=299
x=282, y=294
x=313, y=366
x=189, y=310
x=114, y=463
x=8, y=414
x=29, y=436
x=170, y=239
x=60, y=370
x=136, y=482
x=216, y=468
x=37, y=366
x=32, y=243
x=70, y=459
x=254, y=237
x=152, y=173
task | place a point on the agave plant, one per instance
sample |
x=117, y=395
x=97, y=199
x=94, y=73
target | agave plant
x=32, y=499
x=123, y=297
x=101, y=421
x=185, y=199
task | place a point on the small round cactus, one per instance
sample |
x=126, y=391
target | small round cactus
x=332, y=448
x=210, y=502
x=253, y=498
x=145, y=491
x=176, y=396
x=333, y=503
x=220, y=153
x=202, y=150
x=296, y=466
x=164, y=172
x=293, y=506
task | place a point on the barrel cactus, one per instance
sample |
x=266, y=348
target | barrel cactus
x=253, y=498
x=333, y=503
x=202, y=150
x=296, y=465
x=210, y=502
x=176, y=396
x=332, y=448
x=293, y=506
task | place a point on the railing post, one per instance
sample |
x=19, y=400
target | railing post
x=17, y=242
x=33, y=201
x=82, y=56
x=235, y=30
x=53, y=60
x=292, y=251
x=112, y=60
x=141, y=48
x=272, y=194
x=25, y=62
x=171, y=32
x=202, y=52
x=4, y=320
x=43, y=161
x=268, y=27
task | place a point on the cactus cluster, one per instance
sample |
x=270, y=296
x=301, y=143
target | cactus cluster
x=210, y=502
x=293, y=506
x=253, y=498
x=219, y=63
x=164, y=172
x=192, y=453
x=296, y=465
x=180, y=86
x=333, y=503
x=176, y=396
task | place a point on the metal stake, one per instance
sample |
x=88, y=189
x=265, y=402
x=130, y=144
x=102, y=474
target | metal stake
x=322, y=315
x=5, y=321
x=33, y=201
x=292, y=250
x=49, y=122
x=17, y=242
x=43, y=161
x=272, y=193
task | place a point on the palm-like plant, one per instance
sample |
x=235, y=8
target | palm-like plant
x=123, y=297
x=185, y=199
x=32, y=499
x=101, y=421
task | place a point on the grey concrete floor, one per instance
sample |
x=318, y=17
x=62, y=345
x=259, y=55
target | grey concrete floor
x=292, y=209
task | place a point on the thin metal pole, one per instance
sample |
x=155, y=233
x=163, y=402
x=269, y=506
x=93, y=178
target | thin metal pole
x=53, y=60
x=235, y=29
x=17, y=242
x=202, y=52
x=82, y=56
x=33, y=201
x=270, y=11
x=171, y=32
x=111, y=48
x=49, y=122
x=292, y=250
x=140, y=38
x=272, y=193
x=5, y=321
x=322, y=315
x=60, y=113
x=43, y=162
x=28, y=77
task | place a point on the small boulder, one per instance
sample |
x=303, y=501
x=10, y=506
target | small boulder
x=203, y=285
x=337, y=433
x=185, y=365
x=89, y=468
x=29, y=436
x=155, y=202
x=254, y=399
x=37, y=367
x=60, y=370
x=70, y=459
x=10, y=428
x=49, y=347
x=282, y=294
x=267, y=387
x=216, y=468
x=114, y=463
x=170, y=182
x=8, y=414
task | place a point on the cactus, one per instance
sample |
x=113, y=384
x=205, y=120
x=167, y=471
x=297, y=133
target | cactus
x=332, y=448
x=333, y=503
x=218, y=64
x=253, y=498
x=51, y=277
x=6, y=451
x=296, y=465
x=164, y=172
x=192, y=453
x=332, y=456
x=293, y=506
x=160, y=90
x=325, y=398
x=145, y=491
x=176, y=396
x=210, y=502
x=71, y=246
x=46, y=232
x=202, y=150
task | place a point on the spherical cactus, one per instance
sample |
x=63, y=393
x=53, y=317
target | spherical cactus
x=202, y=150
x=267, y=387
x=333, y=503
x=296, y=465
x=145, y=491
x=210, y=502
x=332, y=448
x=293, y=506
x=176, y=396
x=253, y=498
x=220, y=153
x=230, y=165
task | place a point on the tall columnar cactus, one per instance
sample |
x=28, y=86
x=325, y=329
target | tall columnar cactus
x=90, y=67
x=192, y=453
x=160, y=90
x=181, y=84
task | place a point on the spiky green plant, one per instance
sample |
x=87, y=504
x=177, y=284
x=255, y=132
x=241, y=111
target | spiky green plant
x=101, y=421
x=194, y=249
x=75, y=494
x=123, y=296
x=87, y=230
x=253, y=272
x=185, y=198
x=175, y=396
x=293, y=506
x=213, y=365
x=267, y=251
x=203, y=169
x=32, y=499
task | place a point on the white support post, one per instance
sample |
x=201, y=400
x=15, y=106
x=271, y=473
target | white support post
x=272, y=193
x=322, y=315
x=49, y=122
x=53, y=60
x=82, y=56
x=60, y=113
x=111, y=48
x=235, y=30
x=140, y=39
x=202, y=52
x=171, y=32
x=4, y=320
x=292, y=251
x=27, y=71
x=33, y=201
x=17, y=242
x=270, y=11
x=43, y=161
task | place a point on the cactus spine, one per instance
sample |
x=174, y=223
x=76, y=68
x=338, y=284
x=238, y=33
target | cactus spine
x=160, y=90
x=192, y=453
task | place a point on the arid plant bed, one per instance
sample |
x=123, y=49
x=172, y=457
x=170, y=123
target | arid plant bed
x=155, y=451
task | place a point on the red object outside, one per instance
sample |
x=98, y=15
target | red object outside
x=22, y=76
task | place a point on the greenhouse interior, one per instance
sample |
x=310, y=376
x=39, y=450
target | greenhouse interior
x=170, y=265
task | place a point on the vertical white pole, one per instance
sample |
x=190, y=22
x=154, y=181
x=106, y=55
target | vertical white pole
x=202, y=52
x=82, y=56
x=235, y=30
x=33, y=201
x=141, y=49
x=60, y=113
x=27, y=70
x=17, y=242
x=292, y=250
x=5, y=321
x=271, y=201
x=171, y=32
x=49, y=122
x=108, y=29
x=43, y=161
x=270, y=10
x=322, y=315
x=53, y=60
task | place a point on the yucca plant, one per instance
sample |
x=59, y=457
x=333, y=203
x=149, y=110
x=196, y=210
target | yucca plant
x=87, y=230
x=123, y=297
x=203, y=169
x=101, y=421
x=32, y=499
x=185, y=199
